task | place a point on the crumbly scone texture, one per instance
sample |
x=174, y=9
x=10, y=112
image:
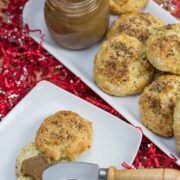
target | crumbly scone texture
x=28, y=151
x=176, y=125
x=163, y=49
x=137, y=24
x=157, y=104
x=64, y=135
x=125, y=6
x=121, y=67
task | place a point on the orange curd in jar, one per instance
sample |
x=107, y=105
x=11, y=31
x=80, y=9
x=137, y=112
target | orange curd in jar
x=76, y=24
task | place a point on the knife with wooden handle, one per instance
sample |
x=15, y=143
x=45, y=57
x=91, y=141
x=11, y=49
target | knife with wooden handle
x=143, y=174
x=88, y=171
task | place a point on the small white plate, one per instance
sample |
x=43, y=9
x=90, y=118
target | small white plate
x=114, y=141
x=81, y=63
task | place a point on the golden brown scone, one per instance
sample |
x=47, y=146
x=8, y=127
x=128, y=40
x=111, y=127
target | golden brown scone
x=163, y=49
x=137, y=24
x=176, y=125
x=121, y=67
x=64, y=135
x=125, y=6
x=28, y=151
x=157, y=104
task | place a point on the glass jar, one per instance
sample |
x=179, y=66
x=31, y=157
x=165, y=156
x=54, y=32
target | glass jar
x=76, y=24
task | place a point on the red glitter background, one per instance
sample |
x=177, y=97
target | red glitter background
x=23, y=63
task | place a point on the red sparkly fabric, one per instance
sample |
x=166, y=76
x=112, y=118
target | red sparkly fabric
x=23, y=63
x=172, y=6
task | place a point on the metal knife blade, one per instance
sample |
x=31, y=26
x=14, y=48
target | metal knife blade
x=74, y=171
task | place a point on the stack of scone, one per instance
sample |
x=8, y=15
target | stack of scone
x=121, y=66
x=63, y=136
x=158, y=101
x=142, y=54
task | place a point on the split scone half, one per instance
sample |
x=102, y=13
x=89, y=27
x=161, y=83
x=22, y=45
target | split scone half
x=64, y=136
x=157, y=104
x=28, y=151
x=163, y=49
x=176, y=125
x=137, y=24
x=121, y=67
x=125, y=6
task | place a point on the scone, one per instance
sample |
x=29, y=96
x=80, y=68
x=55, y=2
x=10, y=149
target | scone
x=157, y=104
x=176, y=125
x=64, y=135
x=137, y=24
x=125, y=6
x=163, y=49
x=28, y=151
x=121, y=67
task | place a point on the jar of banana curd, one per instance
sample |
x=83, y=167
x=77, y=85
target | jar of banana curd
x=76, y=24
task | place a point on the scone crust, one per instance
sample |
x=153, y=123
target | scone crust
x=163, y=49
x=125, y=6
x=157, y=104
x=137, y=24
x=176, y=125
x=28, y=151
x=64, y=135
x=121, y=67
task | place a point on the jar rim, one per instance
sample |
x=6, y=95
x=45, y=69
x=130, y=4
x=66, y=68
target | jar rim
x=74, y=8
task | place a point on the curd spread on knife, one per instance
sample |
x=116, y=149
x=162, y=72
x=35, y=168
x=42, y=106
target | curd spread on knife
x=76, y=24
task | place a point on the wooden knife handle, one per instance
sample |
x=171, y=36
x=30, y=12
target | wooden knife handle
x=143, y=174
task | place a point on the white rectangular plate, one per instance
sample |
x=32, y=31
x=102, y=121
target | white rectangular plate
x=81, y=63
x=114, y=141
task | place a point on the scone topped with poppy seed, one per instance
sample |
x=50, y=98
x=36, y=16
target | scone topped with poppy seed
x=157, y=104
x=28, y=151
x=64, y=135
x=125, y=6
x=137, y=24
x=121, y=67
x=163, y=49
